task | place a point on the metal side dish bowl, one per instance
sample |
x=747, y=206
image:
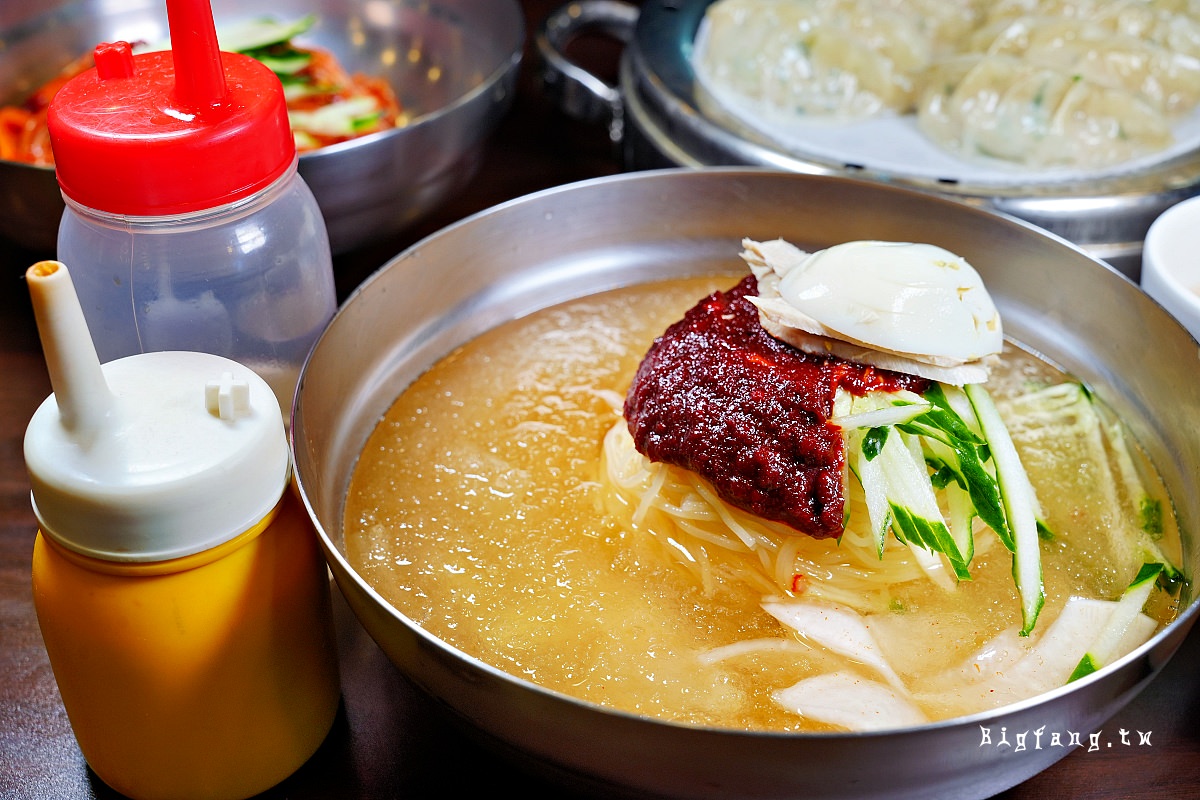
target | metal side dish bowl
x=451, y=63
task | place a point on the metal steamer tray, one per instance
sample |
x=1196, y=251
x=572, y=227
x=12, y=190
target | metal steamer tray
x=659, y=116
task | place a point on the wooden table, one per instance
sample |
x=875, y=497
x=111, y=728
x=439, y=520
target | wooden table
x=389, y=740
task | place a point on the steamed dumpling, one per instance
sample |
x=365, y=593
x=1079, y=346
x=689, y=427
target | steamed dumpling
x=1007, y=108
x=1097, y=51
x=1173, y=24
x=841, y=59
x=1075, y=84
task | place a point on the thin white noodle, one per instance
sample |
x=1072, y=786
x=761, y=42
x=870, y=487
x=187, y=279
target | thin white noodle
x=724, y=513
x=715, y=541
x=650, y=497
x=708, y=535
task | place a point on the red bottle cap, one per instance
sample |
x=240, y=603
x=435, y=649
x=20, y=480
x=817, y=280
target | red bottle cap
x=170, y=132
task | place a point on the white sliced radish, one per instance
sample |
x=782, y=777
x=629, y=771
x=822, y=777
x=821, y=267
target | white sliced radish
x=1010, y=668
x=835, y=628
x=849, y=701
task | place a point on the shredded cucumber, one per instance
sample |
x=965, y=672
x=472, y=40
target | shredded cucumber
x=962, y=515
x=1066, y=418
x=255, y=34
x=890, y=467
x=336, y=119
x=1147, y=509
x=958, y=448
x=860, y=412
x=894, y=440
x=930, y=465
x=286, y=65
x=249, y=35
x=1127, y=609
x=870, y=476
x=1020, y=506
x=916, y=517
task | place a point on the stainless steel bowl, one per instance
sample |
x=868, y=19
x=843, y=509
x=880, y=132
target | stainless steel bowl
x=452, y=63
x=660, y=119
x=583, y=238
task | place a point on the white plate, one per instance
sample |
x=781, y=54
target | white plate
x=895, y=146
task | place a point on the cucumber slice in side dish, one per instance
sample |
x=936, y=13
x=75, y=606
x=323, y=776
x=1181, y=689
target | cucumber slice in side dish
x=253, y=34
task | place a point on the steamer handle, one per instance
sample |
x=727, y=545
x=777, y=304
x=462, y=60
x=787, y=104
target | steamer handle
x=574, y=90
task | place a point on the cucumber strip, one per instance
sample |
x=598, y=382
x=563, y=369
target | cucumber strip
x=247, y=34
x=1127, y=609
x=948, y=418
x=881, y=417
x=984, y=491
x=253, y=34
x=335, y=119
x=1020, y=506
x=961, y=513
x=899, y=491
x=1134, y=489
x=286, y=65
x=907, y=479
x=958, y=402
x=914, y=506
x=873, y=440
x=1147, y=510
x=954, y=424
x=366, y=121
x=932, y=535
x=870, y=477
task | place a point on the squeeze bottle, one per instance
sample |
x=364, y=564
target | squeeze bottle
x=187, y=226
x=179, y=586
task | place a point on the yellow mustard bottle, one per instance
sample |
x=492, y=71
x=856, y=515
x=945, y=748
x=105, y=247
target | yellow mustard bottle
x=179, y=586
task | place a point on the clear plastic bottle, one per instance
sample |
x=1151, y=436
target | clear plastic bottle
x=178, y=582
x=187, y=225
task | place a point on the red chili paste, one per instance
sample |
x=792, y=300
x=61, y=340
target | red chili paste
x=718, y=395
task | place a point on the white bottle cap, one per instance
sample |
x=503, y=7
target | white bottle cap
x=150, y=457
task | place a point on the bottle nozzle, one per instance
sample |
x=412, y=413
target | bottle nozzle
x=199, y=74
x=80, y=390
x=114, y=60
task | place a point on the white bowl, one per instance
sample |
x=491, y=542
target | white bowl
x=1171, y=263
